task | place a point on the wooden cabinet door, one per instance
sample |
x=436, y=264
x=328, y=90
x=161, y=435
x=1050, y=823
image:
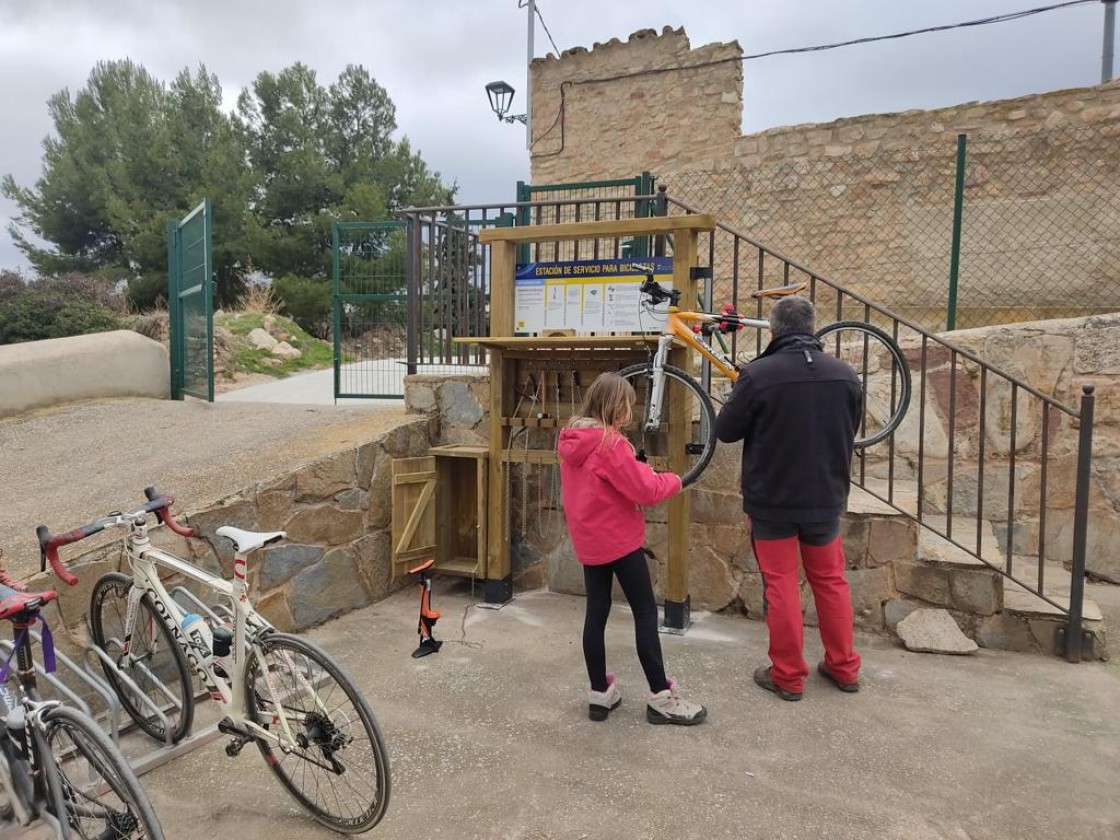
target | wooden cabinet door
x=414, y=513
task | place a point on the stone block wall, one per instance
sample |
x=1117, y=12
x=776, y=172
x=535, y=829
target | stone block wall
x=1057, y=358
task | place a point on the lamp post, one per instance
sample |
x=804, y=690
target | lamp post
x=501, y=93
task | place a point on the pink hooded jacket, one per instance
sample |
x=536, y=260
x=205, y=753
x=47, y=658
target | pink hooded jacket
x=604, y=488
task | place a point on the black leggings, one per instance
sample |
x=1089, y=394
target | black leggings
x=633, y=576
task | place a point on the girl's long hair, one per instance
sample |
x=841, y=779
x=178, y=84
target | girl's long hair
x=608, y=403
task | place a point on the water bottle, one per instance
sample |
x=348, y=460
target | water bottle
x=198, y=633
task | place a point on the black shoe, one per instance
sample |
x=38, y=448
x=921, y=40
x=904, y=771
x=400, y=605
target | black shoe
x=762, y=679
x=847, y=688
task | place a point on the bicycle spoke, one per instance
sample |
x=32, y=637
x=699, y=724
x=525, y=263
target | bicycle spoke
x=101, y=796
x=336, y=767
x=154, y=664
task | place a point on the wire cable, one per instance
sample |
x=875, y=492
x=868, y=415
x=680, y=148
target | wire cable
x=521, y=4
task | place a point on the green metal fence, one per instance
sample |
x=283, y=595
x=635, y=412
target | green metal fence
x=613, y=199
x=190, y=271
x=369, y=294
x=1037, y=235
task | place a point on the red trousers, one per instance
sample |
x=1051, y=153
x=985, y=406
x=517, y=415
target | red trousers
x=824, y=569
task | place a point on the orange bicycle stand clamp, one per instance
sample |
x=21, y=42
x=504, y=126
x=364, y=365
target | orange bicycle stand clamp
x=428, y=616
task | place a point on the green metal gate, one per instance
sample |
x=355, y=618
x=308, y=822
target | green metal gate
x=369, y=297
x=190, y=299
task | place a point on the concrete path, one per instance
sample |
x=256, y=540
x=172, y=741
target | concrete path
x=490, y=739
x=383, y=376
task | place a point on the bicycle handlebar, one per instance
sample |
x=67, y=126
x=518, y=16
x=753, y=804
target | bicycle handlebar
x=50, y=543
x=162, y=513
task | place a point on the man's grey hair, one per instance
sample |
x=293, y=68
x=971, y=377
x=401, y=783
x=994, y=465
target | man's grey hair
x=793, y=314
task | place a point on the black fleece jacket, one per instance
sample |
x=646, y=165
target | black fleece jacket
x=797, y=410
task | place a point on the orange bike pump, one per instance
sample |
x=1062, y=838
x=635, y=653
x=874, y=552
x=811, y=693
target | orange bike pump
x=428, y=616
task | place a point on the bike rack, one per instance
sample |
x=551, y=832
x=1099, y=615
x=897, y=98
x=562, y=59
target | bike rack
x=91, y=675
x=99, y=687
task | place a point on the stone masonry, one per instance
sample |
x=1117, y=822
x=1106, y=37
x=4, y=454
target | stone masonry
x=865, y=199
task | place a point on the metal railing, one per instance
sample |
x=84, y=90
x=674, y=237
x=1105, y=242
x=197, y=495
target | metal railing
x=980, y=447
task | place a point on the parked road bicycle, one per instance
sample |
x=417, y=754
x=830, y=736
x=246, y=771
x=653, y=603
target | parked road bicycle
x=57, y=766
x=871, y=353
x=310, y=723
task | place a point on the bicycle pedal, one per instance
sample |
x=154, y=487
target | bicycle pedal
x=236, y=745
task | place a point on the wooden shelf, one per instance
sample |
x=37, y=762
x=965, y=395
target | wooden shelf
x=459, y=566
x=529, y=456
x=460, y=450
x=532, y=422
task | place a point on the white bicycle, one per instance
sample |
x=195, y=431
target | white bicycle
x=310, y=723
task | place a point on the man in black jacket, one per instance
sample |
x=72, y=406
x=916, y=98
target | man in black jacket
x=797, y=410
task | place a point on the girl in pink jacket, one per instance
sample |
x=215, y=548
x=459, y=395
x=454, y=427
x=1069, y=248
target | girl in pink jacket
x=604, y=488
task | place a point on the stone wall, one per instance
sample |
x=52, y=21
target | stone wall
x=670, y=119
x=868, y=199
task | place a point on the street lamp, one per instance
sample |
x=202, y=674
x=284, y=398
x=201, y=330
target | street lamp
x=501, y=97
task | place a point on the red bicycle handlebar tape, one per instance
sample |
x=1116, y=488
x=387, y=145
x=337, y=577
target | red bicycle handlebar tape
x=48, y=546
x=164, y=516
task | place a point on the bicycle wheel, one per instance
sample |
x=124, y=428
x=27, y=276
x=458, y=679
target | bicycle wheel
x=882, y=369
x=100, y=793
x=339, y=768
x=156, y=664
x=700, y=439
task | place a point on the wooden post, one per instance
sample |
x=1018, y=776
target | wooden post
x=498, y=587
x=677, y=602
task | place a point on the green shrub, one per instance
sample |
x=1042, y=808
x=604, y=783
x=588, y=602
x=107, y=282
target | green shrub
x=307, y=302
x=55, y=307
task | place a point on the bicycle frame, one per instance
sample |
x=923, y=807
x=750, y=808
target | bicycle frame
x=677, y=329
x=227, y=691
x=41, y=769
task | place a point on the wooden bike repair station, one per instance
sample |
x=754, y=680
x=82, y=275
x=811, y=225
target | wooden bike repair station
x=564, y=366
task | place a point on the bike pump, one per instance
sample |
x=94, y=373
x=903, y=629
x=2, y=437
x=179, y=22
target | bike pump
x=428, y=616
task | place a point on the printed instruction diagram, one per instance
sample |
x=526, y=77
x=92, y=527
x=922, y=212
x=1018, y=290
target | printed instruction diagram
x=588, y=296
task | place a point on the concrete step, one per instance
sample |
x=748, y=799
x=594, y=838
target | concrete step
x=1021, y=598
x=934, y=548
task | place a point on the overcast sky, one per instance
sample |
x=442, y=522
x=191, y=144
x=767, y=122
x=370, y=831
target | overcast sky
x=435, y=57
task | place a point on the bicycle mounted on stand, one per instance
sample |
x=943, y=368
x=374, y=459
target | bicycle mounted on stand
x=873, y=354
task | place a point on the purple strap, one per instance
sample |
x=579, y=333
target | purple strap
x=48, y=649
x=48, y=646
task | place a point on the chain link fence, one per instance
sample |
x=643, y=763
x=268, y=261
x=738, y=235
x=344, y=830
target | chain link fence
x=1039, y=234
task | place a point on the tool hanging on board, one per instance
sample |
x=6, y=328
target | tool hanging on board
x=428, y=616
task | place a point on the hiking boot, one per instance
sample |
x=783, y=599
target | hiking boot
x=847, y=688
x=669, y=707
x=602, y=703
x=763, y=680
